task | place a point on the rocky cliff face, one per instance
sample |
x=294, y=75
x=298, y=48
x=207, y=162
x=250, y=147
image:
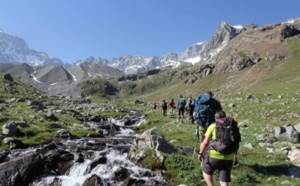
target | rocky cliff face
x=223, y=35
x=15, y=50
x=85, y=70
x=262, y=43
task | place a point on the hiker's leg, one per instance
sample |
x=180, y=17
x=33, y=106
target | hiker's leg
x=182, y=115
x=225, y=172
x=224, y=183
x=208, y=170
x=208, y=179
x=179, y=114
x=202, y=131
x=193, y=120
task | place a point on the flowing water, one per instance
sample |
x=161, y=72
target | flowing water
x=116, y=157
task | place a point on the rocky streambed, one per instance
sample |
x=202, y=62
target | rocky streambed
x=108, y=160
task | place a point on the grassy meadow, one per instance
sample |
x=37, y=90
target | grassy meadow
x=261, y=97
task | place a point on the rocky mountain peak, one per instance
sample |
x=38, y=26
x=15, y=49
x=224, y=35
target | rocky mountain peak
x=92, y=59
x=15, y=50
x=223, y=35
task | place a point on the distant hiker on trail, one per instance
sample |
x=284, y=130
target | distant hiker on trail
x=171, y=105
x=154, y=107
x=181, y=106
x=164, y=107
x=190, y=108
x=205, y=108
x=217, y=150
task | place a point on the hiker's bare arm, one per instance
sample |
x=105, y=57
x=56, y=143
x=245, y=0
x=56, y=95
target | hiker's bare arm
x=204, y=145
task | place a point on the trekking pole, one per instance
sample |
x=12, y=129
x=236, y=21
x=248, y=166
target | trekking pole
x=235, y=161
x=197, y=139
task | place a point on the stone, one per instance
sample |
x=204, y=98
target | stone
x=8, y=77
x=9, y=129
x=248, y=145
x=22, y=170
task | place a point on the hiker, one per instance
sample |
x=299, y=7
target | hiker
x=216, y=103
x=164, y=107
x=210, y=152
x=190, y=108
x=181, y=106
x=205, y=108
x=171, y=105
x=154, y=107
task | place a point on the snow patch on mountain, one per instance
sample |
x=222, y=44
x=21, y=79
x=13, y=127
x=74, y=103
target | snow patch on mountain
x=35, y=78
x=73, y=76
x=238, y=27
x=193, y=60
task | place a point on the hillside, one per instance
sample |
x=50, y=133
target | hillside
x=245, y=62
x=256, y=78
x=262, y=63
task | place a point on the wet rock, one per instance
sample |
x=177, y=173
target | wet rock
x=64, y=167
x=95, y=146
x=93, y=180
x=67, y=156
x=22, y=170
x=79, y=158
x=49, y=147
x=129, y=181
x=120, y=174
x=3, y=156
x=94, y=163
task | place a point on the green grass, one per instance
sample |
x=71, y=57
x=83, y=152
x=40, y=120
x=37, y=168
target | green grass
x=257, y=166
x=272, y=85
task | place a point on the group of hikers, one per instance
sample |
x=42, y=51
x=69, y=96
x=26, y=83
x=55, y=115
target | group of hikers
x=218, y=134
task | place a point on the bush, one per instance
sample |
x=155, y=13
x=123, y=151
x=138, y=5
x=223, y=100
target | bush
x=151, y=161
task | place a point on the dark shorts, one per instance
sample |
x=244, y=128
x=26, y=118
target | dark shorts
x=209, y=165
x=180, y=111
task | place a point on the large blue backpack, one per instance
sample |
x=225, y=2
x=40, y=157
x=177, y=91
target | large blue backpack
x=204, y=114
x=181, y=103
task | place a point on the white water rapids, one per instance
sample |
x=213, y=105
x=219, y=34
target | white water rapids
x=80, y=172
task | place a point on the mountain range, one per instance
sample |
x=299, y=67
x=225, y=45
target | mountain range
x=56, y=78
x=14, y=50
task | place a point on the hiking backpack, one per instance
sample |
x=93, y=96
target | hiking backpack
x=204, y=114
x=192, y=103
x=181, y=103
x=228, y=137
x=164, y=105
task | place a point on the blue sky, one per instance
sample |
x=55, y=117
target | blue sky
x=77, y=29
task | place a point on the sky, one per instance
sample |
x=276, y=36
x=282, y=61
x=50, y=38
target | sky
x=77, y=29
